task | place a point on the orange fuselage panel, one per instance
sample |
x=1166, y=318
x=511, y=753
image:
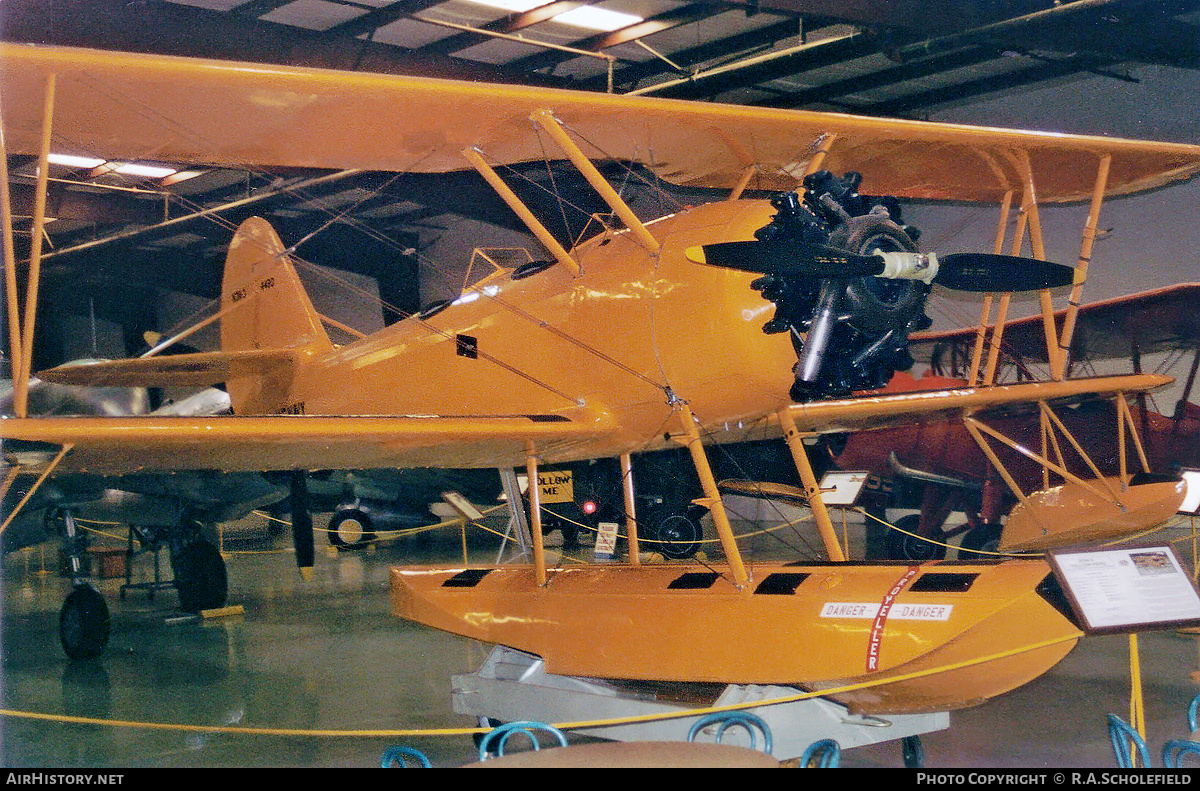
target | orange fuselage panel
x=610, y=340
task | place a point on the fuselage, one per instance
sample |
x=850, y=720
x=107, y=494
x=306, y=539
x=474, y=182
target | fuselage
x=610, y=340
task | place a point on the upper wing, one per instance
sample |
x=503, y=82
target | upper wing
x=1147, y=322
x=120, y=105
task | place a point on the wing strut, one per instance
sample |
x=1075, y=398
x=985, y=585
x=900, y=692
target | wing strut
x=521, y=210
x=548, y=122
x=631, y=530
x=21, y=371
x=812, y=490
x=712, y=495
x=1085, y=258
x=63, y=451
x=1030, y=207
x=986, y=312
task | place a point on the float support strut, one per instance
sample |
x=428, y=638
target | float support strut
x=631, y=530
x=812, y=490
x=535, y=515
x=712, y=496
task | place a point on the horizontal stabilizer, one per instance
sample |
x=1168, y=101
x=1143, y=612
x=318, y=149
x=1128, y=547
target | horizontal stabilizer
x=200, y=369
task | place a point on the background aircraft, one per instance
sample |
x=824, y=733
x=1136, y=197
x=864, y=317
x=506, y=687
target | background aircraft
x=174, y=512
x=939, y=469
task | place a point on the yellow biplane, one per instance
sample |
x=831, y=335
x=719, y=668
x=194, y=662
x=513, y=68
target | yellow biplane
x=647, y=335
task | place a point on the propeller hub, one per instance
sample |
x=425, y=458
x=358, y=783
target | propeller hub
x=903, y=265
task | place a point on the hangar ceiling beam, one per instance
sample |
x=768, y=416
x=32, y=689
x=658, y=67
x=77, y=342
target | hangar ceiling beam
x=1161, y=42
x=926, y=16
x=1039, y=28
x=986, y=85
x=770, y=66
x=173, y=29
x=881, y=78
x=741, y=44
x=373, y=20
x=509, y=24
x=601, y=41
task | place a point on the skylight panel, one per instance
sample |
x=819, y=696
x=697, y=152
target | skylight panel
x=512, y=6
x=593, y=18
x=73, y=161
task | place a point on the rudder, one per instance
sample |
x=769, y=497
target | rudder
x=267, y=305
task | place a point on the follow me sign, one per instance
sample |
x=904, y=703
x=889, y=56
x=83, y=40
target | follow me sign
x=556, y=486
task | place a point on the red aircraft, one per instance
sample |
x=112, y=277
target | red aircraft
x=938, y=467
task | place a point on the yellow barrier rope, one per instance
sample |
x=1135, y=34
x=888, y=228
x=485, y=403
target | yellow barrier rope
x=643, y=540
x=891, y=526
x=410, y=732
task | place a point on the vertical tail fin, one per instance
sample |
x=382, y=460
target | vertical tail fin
x=267, y=306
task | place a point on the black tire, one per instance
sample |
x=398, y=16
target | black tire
x=350, y=528
x=570, y=534
x=913, y=752
x=478, y=738
x=678, y=535
x=986, y=537
x=902, y=546
x=200, y=577
x=83, y=623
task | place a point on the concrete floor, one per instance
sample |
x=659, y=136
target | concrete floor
x=328, y=656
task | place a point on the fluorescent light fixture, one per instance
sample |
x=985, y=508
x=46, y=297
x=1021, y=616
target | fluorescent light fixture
x=593, y=18
x=182, y=175
x=72, y=161
x=144, y=171
x=514, y=6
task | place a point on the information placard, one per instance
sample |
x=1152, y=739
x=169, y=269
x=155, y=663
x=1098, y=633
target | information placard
x=1128, y=589
x=1191, y=501
x=464, y=506
x=842, y=487
x=606, y=541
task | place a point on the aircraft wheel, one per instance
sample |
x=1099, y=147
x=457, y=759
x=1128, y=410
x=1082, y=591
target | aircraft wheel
x=679, y=535
x=350, y=528
x=200, y=577
x=485, y=722
x=901, y=546
x=986, y=537
x=913, y=752
x=570, y=534
x=83, y=623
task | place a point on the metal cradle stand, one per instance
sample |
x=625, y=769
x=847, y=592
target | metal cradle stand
x=518, y=525
x=149, y=545
x=512, y=685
